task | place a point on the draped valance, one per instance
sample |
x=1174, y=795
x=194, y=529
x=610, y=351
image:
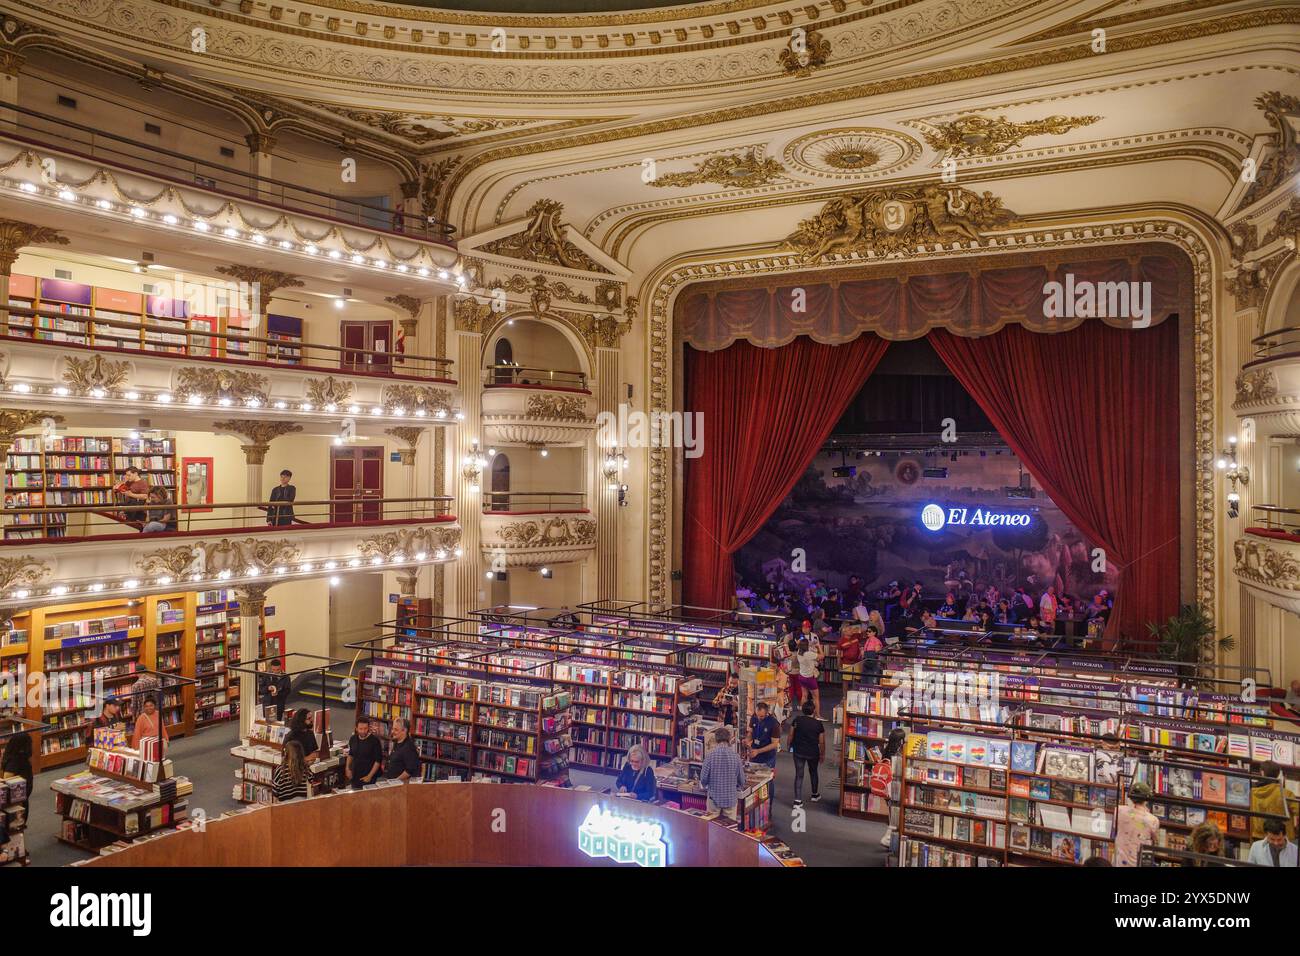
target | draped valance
x=905, y=300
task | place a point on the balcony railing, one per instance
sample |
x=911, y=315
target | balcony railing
x=1275, y=518
x=57, y=524
x=516, y=376
x=1276, y=344
x=39, y=129
x=176, y=337
x=533, y=502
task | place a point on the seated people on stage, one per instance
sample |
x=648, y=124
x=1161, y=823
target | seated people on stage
x=404, y=759
x=949, y=606
x=365, y=756
x=300, y=730
x=290, y=778
x=637, y=777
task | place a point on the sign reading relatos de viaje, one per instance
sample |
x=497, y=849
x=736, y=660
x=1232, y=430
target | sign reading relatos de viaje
x=936, y=517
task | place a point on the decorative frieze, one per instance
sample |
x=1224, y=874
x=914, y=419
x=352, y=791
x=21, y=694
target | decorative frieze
x=416, y=398
x=557, y=407
x=96, y=373
x=557, y=532
x=969, y=136
x=22, y=571
x=323, y=392
x=544, y=239
x=1256, y=385
x=439, y=542
x=213, y=384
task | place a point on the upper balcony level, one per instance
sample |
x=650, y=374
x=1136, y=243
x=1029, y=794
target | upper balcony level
x=1268, y=386
x=1267, y=556
x=534, y=528
x=536, y=406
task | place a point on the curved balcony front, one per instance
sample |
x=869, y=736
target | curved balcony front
x=1268, y=386
x=535, y=406
x=89, y=551
x=1267, y=556
x=535, y=529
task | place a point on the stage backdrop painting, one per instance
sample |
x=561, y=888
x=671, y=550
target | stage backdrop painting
x=870, y=525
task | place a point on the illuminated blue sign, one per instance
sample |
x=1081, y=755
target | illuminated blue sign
x=936, y=518
x=622, y=839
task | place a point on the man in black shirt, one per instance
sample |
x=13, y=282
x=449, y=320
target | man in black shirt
x=808, y=745
x=275, y=687
x=365, y=756
x=282, y=514
x=404, y=759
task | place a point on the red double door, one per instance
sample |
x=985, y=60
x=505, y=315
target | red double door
x=376, y=341
x=356, y=483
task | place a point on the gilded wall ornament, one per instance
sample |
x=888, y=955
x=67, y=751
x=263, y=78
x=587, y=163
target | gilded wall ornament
x=557, y=407
x=550, y=533
x=96, y=372
x=609, y=295
x=22, y=571
x=432, y=177
x=421, y=129
x=969, y=136
x=741, y=170
x=175, y=562
x=259, y=435
x=407, y=434
x=329, y=390
x=471, y=314
x=544, y=239
x=439, y=542
x=1264, y=564
x=14, y=235
x=215, y=384
x=260, y=554
x=848, y=153
x=265, y=282
x=602, y=331
x=805, y=53
x=1256, y=385
x=895, y=220
x=408, y=303
x=1249, y=286
x=415, y=398
x=15, y=420
x=1287, y=224
x=1281, y=110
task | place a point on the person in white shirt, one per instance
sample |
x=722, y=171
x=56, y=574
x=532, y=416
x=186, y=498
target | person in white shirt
x=1047, y=608
x=860, y=613
x=808, y=659
x=1275, y=849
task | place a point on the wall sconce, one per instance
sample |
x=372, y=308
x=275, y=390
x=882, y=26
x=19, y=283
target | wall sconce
x=472, y=467
x=1235, y=473
x=615, y=465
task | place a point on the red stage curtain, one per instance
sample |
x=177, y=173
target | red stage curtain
x=766, y=413
x=1093, y=414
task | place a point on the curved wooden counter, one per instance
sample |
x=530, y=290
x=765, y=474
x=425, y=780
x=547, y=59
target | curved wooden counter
x=434, y=824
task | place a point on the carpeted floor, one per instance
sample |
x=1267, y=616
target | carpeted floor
x=828, y=838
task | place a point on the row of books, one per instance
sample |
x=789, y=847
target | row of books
x=92, y=626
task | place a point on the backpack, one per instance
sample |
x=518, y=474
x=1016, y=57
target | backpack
x=882, y=774
x=850, y=651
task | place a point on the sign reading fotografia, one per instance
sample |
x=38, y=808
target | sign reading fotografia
x=936, y=517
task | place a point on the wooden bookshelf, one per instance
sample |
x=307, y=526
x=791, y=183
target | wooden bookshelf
x=619, y=704
x=24, y=487
x=99, y=806
x=13, y=796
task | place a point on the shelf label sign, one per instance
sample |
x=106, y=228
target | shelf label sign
x=622, y=839
x=936, y=517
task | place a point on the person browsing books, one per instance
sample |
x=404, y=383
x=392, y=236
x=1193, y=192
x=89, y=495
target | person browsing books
x=808, y=661
x=365, y=756
x=290, y=778
x=275, y=686
x=278, y=514
x=1135, y=826
x=148, y=723
x=637, y=777
x=808, y=744
x=17, y=760
x=133, y=490
x=1275, y=849
x=1269, y=798
x=110, y=715
x=404, y=759
x=722, y=775
x=301, y=732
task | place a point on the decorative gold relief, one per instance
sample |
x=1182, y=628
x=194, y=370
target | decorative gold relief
x=408, y=303
x=1287, y=224
x=407, y=434
x=847, y=153
x=238, y=557
x=1280, y=110
x=328, y=391
x=215, y=384
x=894, y=221
x=550, y=533
x=1261, y=563
x=421, y=129
x=609, y=294
x=1256, y=385
x=14, y=235
x=741, y=170
x=540, y=291
x=415, y=398
x=15, y=420
x=22, y=571
x=990, y=135
x=815, y=51
x=175, y=562
x=561, y=407
x=544, y=239
x=96, y=372
x=432, y=177
x=471, y=314
x=603, y=331
x=1249, y=286
x=438, y=542
x=266, y=281
x=259, y=435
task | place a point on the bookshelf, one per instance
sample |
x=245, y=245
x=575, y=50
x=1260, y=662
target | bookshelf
x=117, y=306
x=78, y=471
x=155, y=458
x=261, y=752
x=72, y=299
x=170, y=320
x=13, y=821
x=619, y=705
x=22, y=295
x=25, y=488
x=285, y=333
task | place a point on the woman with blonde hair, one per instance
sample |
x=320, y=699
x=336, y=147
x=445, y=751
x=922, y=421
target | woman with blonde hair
x=290, y=779
x=637, y=778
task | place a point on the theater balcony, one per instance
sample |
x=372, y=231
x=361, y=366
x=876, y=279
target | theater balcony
x=536, y=406
x=1268, y=386
x=91, y=552
x=1267, y=556
x=535, y=529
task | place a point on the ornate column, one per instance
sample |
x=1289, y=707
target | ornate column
x=14, y=235
x=252, y=599
x=258, y=435
x=605, y=337
x=410, y=203
x=11, y=63
x=439, y=350
x=408, y=326
x=260, y=147
x=471, y=319
x=411, y=436
x=262, y=285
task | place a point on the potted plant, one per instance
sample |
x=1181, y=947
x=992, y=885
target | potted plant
x=1189, y=637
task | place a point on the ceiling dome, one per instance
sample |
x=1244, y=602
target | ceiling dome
x=551, y=6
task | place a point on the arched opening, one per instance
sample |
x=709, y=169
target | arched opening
x=500, y=482
x=502, y=355
x=541, y=355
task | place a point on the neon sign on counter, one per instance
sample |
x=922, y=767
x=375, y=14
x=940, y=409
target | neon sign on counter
x=622, y=839
x=936, y=517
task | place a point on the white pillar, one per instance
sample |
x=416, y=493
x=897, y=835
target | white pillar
x=252, y=599
x=468, y=592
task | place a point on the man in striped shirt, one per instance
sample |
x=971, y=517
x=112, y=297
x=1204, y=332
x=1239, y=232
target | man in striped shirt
x=723, y=775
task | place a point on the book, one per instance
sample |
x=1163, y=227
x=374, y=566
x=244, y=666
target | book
x=1023, y=755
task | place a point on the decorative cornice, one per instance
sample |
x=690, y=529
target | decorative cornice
x=408, y=303
x=407, y=434
x=22, y=571
x=540, y=291
x=1256, y=385
x=739, y=170
x=802, y=60
x=174, y=562
x=974, y=135
x=440, y=541
x=259, y=435
x=571, y=408
x=215, y=384
x=14, y=235
x=557, y=532
x=85, y=375
x=544, y=239
x=328, y=391
x=1261, y=563
x=260, y=554
x=15, y=420
x=896, y=221
x=415, y=398
x=1280, y=110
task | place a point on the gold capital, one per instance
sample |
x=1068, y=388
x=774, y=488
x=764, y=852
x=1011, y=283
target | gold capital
x=258, y=433
x=14, y=235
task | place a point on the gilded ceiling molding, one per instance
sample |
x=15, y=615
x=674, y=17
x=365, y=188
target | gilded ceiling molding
x=323, y=392
x=215, y=384
x=815, y=51
x=987, y=136
x=420, y=129
x=897, y=220
x=15, y=235
x=1025, y=245
x=544, y=240
x=1283, y=160
x=95, y=373
x=741, y=170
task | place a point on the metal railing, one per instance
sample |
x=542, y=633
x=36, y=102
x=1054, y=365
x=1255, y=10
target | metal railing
x=1276, y=344
x=33, y=128
x=1276, y=518
x=509, y=374
x=177, y=337
x=52, y=524
x=505, y=502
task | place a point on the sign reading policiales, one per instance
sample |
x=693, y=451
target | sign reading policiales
x=936, y=518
